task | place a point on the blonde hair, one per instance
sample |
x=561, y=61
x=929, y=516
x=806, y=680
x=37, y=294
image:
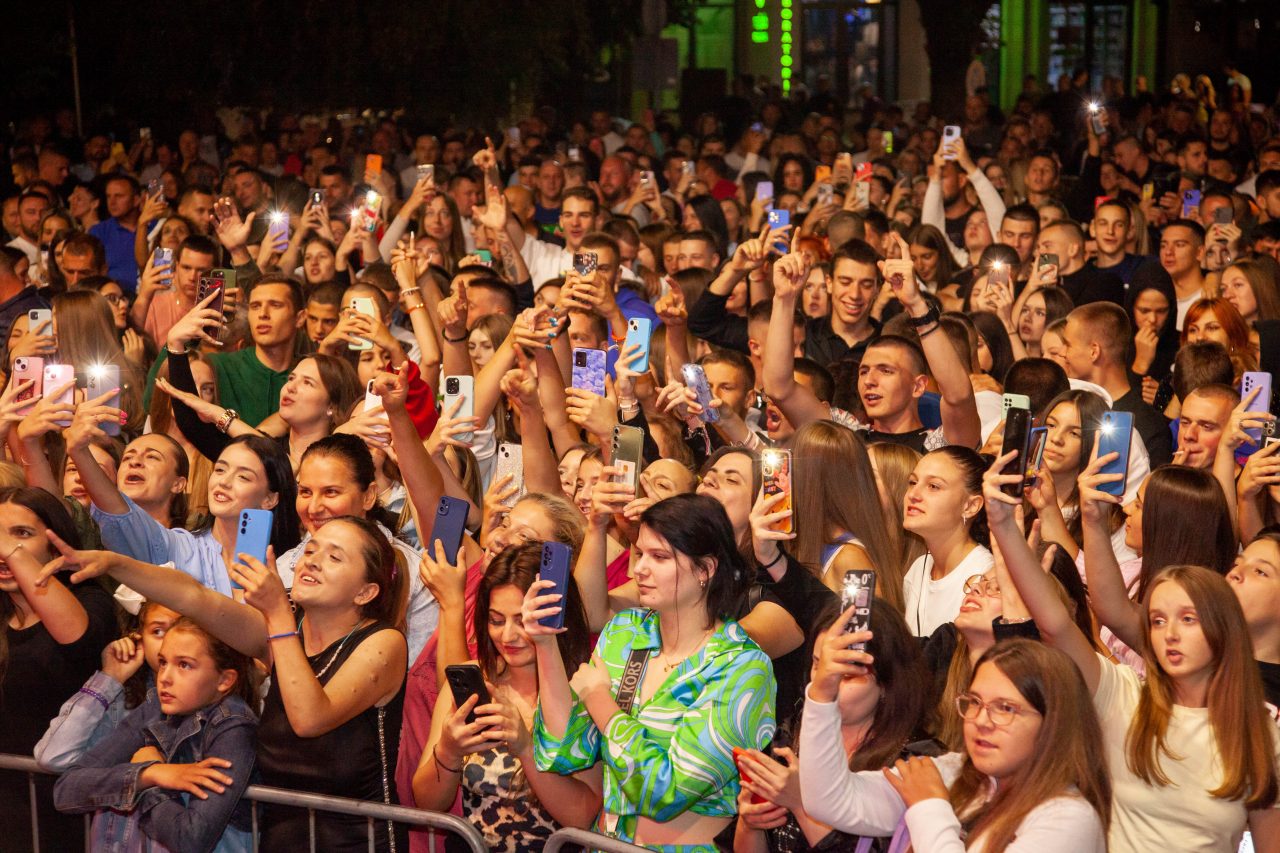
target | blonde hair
x=893, y=464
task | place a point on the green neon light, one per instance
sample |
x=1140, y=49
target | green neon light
x=785, y=61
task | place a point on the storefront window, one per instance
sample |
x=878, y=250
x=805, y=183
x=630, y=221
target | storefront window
x=844, y=41
x=1092, y=37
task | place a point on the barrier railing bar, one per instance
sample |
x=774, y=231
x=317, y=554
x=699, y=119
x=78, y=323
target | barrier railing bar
x=589, y=841
x=256, y=794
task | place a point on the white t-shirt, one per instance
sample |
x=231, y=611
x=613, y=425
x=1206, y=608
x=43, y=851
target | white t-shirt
x=931, y=603
x=1184, y=305
x=1181, y=816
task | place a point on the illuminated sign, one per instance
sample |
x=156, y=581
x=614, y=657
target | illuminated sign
x=760, y=24
x=785, y=59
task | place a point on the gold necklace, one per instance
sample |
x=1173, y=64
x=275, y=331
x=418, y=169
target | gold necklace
x=667, y=667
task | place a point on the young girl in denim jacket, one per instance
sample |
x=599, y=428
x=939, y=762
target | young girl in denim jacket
x=175, y=769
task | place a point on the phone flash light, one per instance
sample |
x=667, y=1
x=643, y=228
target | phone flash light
x=1107, y=429
x=97, y=371
x=1093, y=106
x=276, y=217
x=995, y=265
x=371, y=196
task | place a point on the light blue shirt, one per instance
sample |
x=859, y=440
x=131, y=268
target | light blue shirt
x=138, y=535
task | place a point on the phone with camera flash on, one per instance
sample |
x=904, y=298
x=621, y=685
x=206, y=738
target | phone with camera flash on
x=1115, y=436
x=858, y=590
x=104, y=379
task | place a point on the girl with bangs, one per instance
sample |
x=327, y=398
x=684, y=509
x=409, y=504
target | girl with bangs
x=1191, y=750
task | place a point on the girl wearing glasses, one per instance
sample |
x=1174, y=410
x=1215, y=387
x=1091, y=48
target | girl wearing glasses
x=1191, y=749
x=1031, y=767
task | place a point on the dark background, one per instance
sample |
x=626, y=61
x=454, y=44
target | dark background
x=463, y=59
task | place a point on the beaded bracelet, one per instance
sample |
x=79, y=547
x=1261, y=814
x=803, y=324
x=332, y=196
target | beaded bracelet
x=88, y=691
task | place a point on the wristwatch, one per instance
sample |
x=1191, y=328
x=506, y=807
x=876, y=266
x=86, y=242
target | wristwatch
x=930, y=317
x=224, y=422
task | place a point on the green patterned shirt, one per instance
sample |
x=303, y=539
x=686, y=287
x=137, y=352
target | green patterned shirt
x=673, y=753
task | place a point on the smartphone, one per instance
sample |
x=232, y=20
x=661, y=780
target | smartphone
x=463, y=387
x=373, y=163
x=627, y=455
x=1190, y=203
x=513, y=135
x=575, y=154
x=687, y=168
x=863, y=172
x=1017, y=434
x=1096, y=120
x=1114, y=436
x=253, y=536
x=775, y=470
x=1223, y=215
x=826, y=192
x=103, y=379
x=29, y=367
x=764, y=190
x=1261, y=403
x=164, y=258
x=1035, y=454
x=371, y=400
x=117, y=150
x=858, y=590
x=695, y=378
x=54, y=377
x=757, y=127
x=209, y=285
x=40, y=317
x=738, y=752
x=451, y=523
x=1148, y=191
x=1048, y=259
x=369, y=210
x=779, y=218
x=646, y=179
x=362, y=305
x=155, y=188
x=466, y=681
x=279, y=228
x=588, y=370
x=1014, y=401
x=999, y=274
x=555, y=568
x=485, y=255
x=585, y=263
x=144, y=133
x=639, y=332
x=228, y=279
x=950, y=135
x=888, y=142
x=317, y=198
x=426, y=170
x=822, y=173
x=511, y=461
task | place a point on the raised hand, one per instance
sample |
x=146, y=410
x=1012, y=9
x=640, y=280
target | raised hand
x=900, y=274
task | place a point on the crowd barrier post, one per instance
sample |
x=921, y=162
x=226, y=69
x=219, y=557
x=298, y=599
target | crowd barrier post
x=588, y=841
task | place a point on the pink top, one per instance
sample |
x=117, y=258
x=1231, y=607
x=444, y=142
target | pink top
x=618, y=572
x=421, y=691
x=162, y=314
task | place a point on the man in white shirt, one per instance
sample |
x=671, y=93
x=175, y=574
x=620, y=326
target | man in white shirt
x=603, y=127
x=578, y=210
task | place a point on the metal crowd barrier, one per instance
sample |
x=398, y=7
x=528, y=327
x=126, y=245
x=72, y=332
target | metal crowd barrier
x=589, y=841
x=374, y=813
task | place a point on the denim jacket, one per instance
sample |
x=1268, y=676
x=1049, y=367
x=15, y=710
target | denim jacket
x=158, y=819
x=86, y=718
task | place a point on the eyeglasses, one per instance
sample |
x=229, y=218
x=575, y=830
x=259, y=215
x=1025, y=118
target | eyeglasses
x=999, y=712
x=115, y=299
x=982, y=585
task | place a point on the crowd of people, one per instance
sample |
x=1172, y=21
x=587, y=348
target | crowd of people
x=530, y=473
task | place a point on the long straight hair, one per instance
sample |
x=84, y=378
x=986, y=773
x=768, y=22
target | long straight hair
x=1237, y=712
x=893, y=466
x=1068, y=759
x=834, y=489
x=1175, y=494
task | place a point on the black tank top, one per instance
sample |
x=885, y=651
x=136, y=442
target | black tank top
x=355, y=760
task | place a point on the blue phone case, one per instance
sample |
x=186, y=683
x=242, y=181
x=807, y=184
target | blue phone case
x=451, y=523
x=253, y=536
x=588, y=370
x=639, y=331
x=555, y=568
x=1261, y=403
x=1115, y=436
